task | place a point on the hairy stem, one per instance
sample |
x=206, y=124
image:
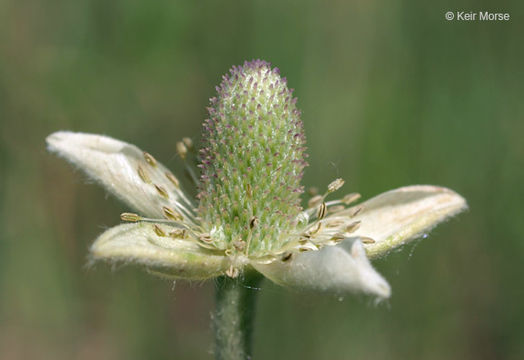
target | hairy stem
x=233, y=318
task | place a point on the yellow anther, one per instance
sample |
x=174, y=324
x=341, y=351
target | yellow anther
x=181, y=149
x=239, y=245
x=253, y=222
x=149, y=159
x=336, y=208
x=312, y=191
x=178, y=234
x=367, y=240
x=131, y=217
x=314, y=201
x=287, y=256
x=188, y=142
x=352, y=227
x=232, y=272
x=338, y=237
x=354, y=212
x=173, y=179
x=322, y=211
x=335, y=185
x=158, y=230
x=315, y=230
x=161, y=191
x=350, y=198
x=333, y=223
x=143, y=175
x=205, y=238
x=171, y=214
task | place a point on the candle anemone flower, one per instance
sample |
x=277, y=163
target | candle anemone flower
x=247, y=216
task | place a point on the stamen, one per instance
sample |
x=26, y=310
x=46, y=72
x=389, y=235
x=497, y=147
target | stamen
x=150, y=159
x=161, y=191
x=173, y=179
x=333, y=223
x=232, y=272
x=161, y=221
x=338, y=237
x=337, y=208
x=158, y=230
x=314, y=201
x=335, y=185
x=287, y=257
x=315, y=230
x=188, y=142
x=367, y=240
x=205, y=238
x=239, y=245
x=352, y=227
x=355, y=211
x=171, y=214
x=253, y=222
x=322, y=209
x=312, y=191
x=131, y=217
x=178, y=234
x=143, y=175
x=350, y=198
x=181, y=149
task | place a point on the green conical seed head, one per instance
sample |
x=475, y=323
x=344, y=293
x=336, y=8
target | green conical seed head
x=252, y=161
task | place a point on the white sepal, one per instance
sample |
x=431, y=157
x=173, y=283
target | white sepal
x=116, y=165
x=393, y=218
x=339, y=269
x=139, y=243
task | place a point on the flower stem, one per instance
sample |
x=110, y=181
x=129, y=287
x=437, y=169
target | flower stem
x=233, y=319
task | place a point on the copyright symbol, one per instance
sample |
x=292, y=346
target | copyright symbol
x=450, y=15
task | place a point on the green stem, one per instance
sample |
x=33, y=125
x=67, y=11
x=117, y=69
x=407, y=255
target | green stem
x=233, y=319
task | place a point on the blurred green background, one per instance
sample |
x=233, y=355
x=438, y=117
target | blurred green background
x=392, y=94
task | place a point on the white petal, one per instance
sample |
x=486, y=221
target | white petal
x=339, y=269
x=115, y=165
x=397, y=216
x=138, y=243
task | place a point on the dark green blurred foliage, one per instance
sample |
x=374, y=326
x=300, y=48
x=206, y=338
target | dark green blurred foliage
x=392, y=94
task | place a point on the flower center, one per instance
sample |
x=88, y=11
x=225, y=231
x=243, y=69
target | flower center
x=252, y=161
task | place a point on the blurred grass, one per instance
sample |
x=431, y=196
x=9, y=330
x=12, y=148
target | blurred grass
x=391, y=93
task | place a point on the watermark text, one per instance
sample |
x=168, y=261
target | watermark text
x=476, y=16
